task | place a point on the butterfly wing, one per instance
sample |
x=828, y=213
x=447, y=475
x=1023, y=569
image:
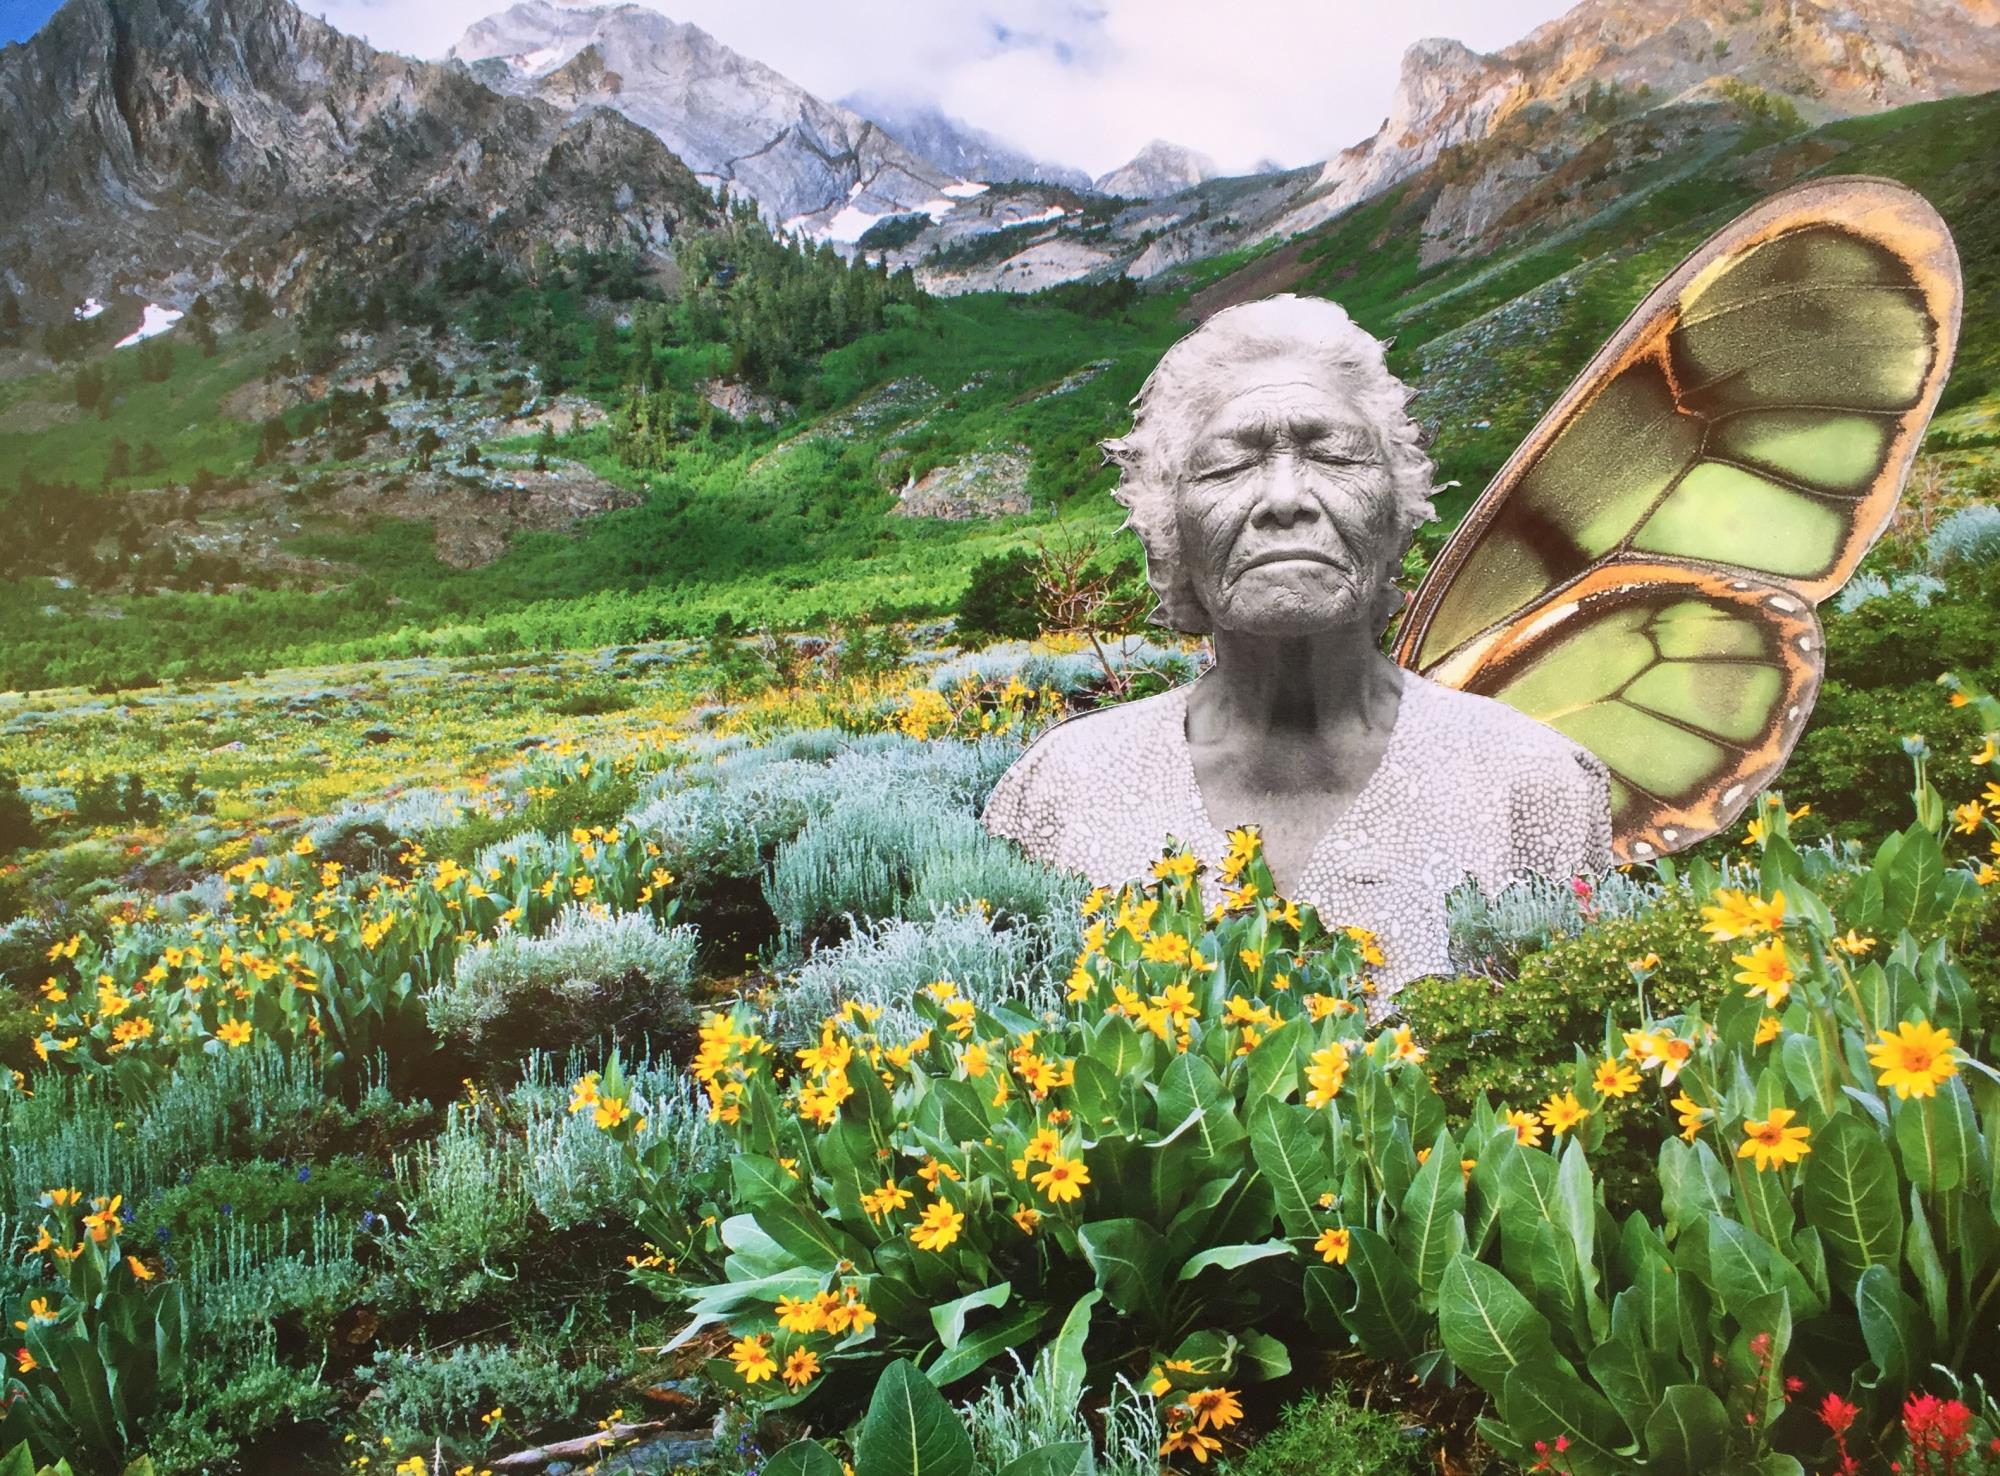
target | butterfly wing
x=1641, y=573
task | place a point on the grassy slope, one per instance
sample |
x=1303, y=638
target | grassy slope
x=798, y=536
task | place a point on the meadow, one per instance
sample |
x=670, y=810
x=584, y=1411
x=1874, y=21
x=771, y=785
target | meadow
x=562, y=1013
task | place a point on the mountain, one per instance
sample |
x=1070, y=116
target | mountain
x=1816, y=58
x=957, y=148
x=810, y=165
x=164, y=147
x=1160, y=168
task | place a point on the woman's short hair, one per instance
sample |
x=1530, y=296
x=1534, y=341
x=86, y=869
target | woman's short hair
x=1200, y=371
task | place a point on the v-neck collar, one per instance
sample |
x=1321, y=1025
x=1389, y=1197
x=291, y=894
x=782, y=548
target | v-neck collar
x=1215, y=842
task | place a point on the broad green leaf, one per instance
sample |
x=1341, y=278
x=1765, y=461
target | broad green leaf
x=949, y=1317
x=1295, y=1162
x=1743, y=1268
x=1631, y=1377
x=1262, y=1357
x=1577, y=1195
x=1920, y=1250
x=1693, y=1185
x=1274, y=1064
x=1129, y=1259
x=1387, y=1315
x=1229, y=1257
x=1066, y=1351
x=1541, y=1401
x=1851, y=1198
x=1889, y=1327
x=1071, y=1458
x=1939, y=1138
x=910, y=1430
x=1430, y=1229
x=802, y=1458
x=1016, y=1329
x=1488, y=1326
x=809, y=1236
x=1688, y=1435
x=1097, y=1098
x=758, y=1182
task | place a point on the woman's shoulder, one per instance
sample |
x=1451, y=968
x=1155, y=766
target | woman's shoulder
x=1488, y=730
x=1077, y=756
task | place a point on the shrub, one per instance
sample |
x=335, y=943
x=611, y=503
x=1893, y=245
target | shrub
x=1969, y=536
x=425, y=1394
x=587, y=976
x=1000, y=595
x=17, y=821
x=1329, y=1435
x=465, y=1214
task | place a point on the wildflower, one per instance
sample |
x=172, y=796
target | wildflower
x=1527, y=1128
x=1563, y=1112
x=611, y=1112
x=1692, y=1115
x=1766, y=971
x=1191, y=1440
x=1063, y=1180
x=493, y=1416
x=1253, y=960
x=1333, y=1245
x=1837, y=1414
x=800, y=1367
x=1853, y=944
x=890, y=1197
x=938, y=1227
x=1771, y=1143
x=1968, y=816
x=1742, y=915
x=1768, y=1029
x=1215, y=1409
x=752, y=1357
x=1987, y=753
x=233, y=1032
x=1242, y=851
x=1615, y=1079
x=1406, y=1047
x=796, y=1315
x=974, y=1059
x=103, y=1219
x=139, y=1268
x=24, y=1361
x=1915, y=1059
x=1645, y=965
x=1937, y=1427
x=1176, y=868
x=1028, y=1218
x=1324, y=1074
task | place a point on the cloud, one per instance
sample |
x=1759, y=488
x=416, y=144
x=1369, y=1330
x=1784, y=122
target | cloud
x=1082, y=82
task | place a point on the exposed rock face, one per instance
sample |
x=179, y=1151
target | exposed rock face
x=163, y=147
x=1828, y=58
x=986, y=484
x=956, y=148
x=807, y=163
x=1160, y=168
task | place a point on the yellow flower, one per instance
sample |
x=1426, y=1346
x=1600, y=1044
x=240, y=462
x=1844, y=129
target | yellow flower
x=1766, y=971
x=1968, y=816
x=104, y=1217
x=1175, y=868
x=1563, y=1112
x=1692, y=1115
x=1527, y=1128
x=752, y=1357
x=1081, y=982
x=1754, y=832
x=1191, y=1440
x=139, y=1268
x=1406, y=1047
x=1063, y=1180
x=493, y=1416
x=800, y=1367
x=24, y=1361
x=1914, y=1060
x=1853, y=944
x=1987, y=752
x=1214, y=1409
x=1742, y=915
x=938, y=1227
x=1333, y=1245
x=583, y=885
x=798, y=1316
x=1325, y=1073
x=974, y=1059
x=1768, y=1029
x=611, y=1111
x=1615, y=1079
x=233, y=1032
x=1771, y=1143
x=891, y=1196
x=1028, y=1218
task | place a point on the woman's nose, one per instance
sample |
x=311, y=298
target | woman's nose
x=1283, y=500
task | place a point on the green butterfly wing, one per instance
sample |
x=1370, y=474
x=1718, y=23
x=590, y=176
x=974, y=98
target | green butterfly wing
x=1641, y=573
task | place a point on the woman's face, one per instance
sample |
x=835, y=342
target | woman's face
x=1286, y=507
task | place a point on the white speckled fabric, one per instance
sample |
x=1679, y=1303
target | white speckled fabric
x=1466, y=787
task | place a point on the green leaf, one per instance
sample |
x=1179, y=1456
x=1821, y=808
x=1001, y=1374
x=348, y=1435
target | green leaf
x=1071, y=1458
x=1097, y=1098
x=1631, y=1377
x=1387, y=1315
x=1190, y=1085
x=910, y=1430
x=1430, y=1229
x=1688, y=1435
x=1295, y=1161
x=1129, y=1259
x=1910, y=885
x=1743, y=1268
x=1489, y=1328
x=1920, y=1250
x=758, y=1181
x=1889, y=1327
x=808, y=1236
x=949, y=1317
x=1577, y=1195
x=1262, y=1357
x=1274, y=1064
x=802, y=1458
x=1939, y=1138
x=1229, y=1257
x=1851, y=1197
x=1542, y=1401
x=1693, y=1184
x=1066, y=1352
x=972, y=1352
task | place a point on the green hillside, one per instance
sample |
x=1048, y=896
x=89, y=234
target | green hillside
x=784, y=524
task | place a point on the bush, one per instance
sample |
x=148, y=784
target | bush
x=465, y=1214
x=426, y=1394
x=587, y=976
x=1329, y=1435
x=17, y=821
x=1000, y=595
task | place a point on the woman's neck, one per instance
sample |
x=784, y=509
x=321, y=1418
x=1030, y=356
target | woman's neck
x=1326, y=683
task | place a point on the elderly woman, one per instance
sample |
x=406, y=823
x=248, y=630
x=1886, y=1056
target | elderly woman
x=1275, y=478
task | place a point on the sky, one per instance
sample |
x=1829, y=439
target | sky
x=1080, y=82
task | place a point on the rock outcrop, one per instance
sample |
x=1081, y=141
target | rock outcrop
x=1160, y=168
x=161, y=148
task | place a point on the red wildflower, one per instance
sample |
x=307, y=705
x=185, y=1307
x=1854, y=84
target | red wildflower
x=1837, y=1414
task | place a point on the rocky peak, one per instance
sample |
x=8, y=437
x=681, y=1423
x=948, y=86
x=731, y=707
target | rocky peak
x=957, y=148
x=164, y=147
x=1160, y=168
x=735, y=121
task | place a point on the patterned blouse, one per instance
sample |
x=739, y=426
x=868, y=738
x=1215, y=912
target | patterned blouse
x=1467, y=787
